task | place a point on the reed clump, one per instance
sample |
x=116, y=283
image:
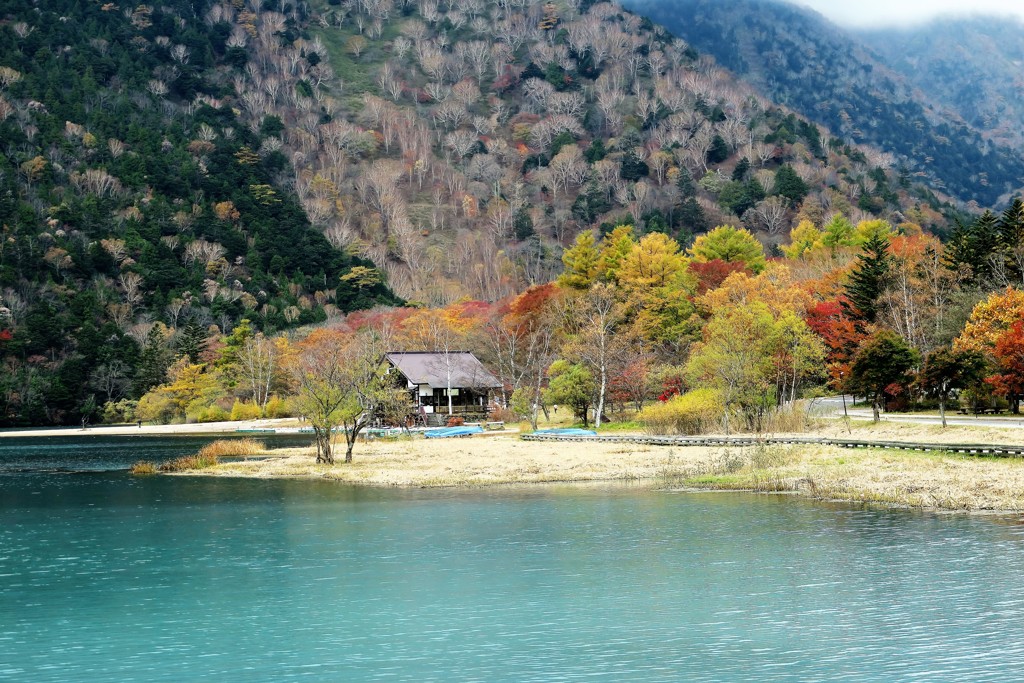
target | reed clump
x=210, y=454
x=143, y=467
x=188, y=462
x=222, y=448
x=792, y=418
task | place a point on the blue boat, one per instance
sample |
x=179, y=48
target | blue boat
x=449, y=432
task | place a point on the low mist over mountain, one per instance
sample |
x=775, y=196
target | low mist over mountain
x=973, y=65
x=940, y=114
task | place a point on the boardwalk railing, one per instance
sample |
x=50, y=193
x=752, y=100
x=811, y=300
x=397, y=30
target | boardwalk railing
x=721, y=441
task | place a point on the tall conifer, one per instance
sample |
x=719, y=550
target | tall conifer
x=869, y=278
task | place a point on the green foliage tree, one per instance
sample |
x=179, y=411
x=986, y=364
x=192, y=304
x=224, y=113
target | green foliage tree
x=341, y=384
x=882, y=364
x=733, y=361
x=729, y=244
x=838, y=233
x=571, y=384
x=945, y=370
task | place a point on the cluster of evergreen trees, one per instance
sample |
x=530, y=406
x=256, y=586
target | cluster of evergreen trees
x=135, y=205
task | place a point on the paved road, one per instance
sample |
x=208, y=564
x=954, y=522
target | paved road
x=832, y=406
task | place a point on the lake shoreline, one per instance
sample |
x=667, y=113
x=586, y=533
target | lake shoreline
x=911, y=479
x=250, y=427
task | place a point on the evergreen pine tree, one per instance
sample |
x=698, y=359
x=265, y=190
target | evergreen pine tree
x=690, y=217
x=790, y=185
x=685, y=183
x=868, y=279
x=957, y=254
x=191, y=341
x=984, y=241
x=153, y=362
x=719, y=151
x=1011, y=239
x=741, y=170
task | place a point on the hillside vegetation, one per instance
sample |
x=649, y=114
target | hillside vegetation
x=461, y=146
x=170, y=172
x=138, y=208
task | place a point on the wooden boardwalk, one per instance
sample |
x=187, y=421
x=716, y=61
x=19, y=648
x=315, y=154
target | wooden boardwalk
x=743, y=441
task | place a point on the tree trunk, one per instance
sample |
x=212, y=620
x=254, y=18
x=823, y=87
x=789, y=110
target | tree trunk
x=536, y=405
x=600, y=399
x=324, y=453
x=351, y=434
x=942, y=410
x=875, y=408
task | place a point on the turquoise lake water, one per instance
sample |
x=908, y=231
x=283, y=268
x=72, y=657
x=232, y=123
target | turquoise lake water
x=109, y=577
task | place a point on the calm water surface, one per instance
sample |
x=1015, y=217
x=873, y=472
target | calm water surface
x=106, y=577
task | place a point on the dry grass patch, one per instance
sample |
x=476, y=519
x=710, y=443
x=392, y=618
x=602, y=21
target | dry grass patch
x=497, y=459
x=230, y=447
x=143, y=467
x=210, y=454
x=906, y=478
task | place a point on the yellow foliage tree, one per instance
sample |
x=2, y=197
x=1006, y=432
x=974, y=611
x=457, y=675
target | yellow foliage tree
x=990, y=319
x=226, y=211
x=774, y=288
x=654, y=262
x=615, y=246
x=581, y=262
x=805, y=238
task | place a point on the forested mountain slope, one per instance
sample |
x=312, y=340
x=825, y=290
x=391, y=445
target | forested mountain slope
x=460, y=146
x=796, y=57
x=136, y=205
x=168, y=168
x=970, y=64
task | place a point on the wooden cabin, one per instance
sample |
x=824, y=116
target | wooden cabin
x=429, y=375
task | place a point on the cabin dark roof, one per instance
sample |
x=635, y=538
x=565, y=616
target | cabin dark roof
x=431, y=368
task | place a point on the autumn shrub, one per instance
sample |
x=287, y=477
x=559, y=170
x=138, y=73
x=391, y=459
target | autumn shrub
x=455, y=421
x=694, y=412
x=115, y=412
x=156, y=406
x=212, y=413
x=245, y=411
x=503, y=415
x=278, y=407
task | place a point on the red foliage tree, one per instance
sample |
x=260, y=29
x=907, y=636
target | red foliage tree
x=831, y=321
x=1009, y=353
x=630, y=385
x=711, y=274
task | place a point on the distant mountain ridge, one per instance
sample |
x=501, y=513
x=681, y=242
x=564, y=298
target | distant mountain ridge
x=795, y=56
x=972, y=64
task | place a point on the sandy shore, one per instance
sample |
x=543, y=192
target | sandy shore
x=285, y=424
x=903, y=478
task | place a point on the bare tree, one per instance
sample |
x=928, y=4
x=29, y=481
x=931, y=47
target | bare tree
x=771, y=213
x=259, y=364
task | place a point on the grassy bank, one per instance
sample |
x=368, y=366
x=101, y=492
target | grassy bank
x=904, y=478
